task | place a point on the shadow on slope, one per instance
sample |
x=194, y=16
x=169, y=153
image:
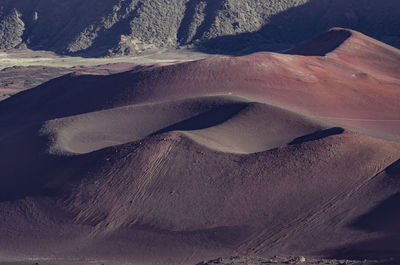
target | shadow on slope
x=298, y=24
x=385, y=217
x=322, y=44
x=27, y=169
x=384, y=221
x=207, y=119
x=317, y=135
x=394, y=169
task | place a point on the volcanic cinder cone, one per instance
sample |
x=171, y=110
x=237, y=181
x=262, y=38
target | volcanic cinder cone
x=262, y=154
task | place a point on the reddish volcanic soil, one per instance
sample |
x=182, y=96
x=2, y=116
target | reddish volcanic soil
x=265, y=154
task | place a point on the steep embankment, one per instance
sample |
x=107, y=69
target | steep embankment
x=94, y=28
x=262, y=154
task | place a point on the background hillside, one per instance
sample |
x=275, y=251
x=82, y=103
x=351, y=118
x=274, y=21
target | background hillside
x=117, y=27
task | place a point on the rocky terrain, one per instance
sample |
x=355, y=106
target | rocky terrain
x=120, y=27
